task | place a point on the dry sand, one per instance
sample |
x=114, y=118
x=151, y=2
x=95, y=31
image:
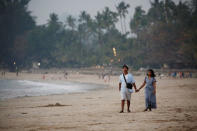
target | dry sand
x=98, y=110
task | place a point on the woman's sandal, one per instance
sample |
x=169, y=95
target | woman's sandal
x=121, y=112
x=146, y=109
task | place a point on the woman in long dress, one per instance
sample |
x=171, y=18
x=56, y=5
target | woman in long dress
x=150, y=90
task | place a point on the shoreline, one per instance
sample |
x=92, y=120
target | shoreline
x=79, y=87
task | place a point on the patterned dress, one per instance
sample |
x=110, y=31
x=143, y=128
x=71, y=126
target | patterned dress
x=150, y=97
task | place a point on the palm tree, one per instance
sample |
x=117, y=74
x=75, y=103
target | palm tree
x=157, y=11
x=109, y=18
x=139, y=20
x=84, y=17
x=71, y=22
x=122, y=9
x=105, y=20
x=194, y=6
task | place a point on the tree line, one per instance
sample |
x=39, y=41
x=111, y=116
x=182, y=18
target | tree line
x=165, y=35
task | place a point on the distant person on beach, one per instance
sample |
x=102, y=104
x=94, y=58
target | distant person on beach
x=65, y=75
x=190, y=74
x=3, y=73
x=150, y=90
x=174, y=75
x=106, y=78
x=17, y=71
x=125, y=92
x=102, y=75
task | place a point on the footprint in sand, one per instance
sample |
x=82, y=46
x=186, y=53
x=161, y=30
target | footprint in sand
x=179, y=110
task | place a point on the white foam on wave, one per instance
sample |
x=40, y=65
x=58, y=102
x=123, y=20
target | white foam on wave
x=20, y=88
x=56, y=88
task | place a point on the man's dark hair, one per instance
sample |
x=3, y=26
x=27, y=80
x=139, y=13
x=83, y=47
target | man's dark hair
x=125, y=66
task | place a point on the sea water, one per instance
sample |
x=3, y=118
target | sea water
x=22, y=88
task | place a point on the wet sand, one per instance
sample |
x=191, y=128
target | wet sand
x=98, y=110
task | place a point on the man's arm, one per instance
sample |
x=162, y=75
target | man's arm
x=134, y=87
x=119, y=86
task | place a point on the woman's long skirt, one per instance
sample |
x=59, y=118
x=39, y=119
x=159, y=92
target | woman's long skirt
x=150, y=98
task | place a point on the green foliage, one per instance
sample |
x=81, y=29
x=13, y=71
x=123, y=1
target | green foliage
x=15, y=22
x=166, y=34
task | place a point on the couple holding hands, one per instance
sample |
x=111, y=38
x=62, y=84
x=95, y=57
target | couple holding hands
x=127, y=82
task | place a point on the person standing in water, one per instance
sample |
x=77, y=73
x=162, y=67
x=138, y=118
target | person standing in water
x=124, y=91
x=150, y=90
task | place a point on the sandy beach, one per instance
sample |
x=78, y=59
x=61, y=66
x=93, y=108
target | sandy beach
x=98, y=110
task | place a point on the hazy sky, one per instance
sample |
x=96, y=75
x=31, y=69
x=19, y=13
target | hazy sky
x=42, y=8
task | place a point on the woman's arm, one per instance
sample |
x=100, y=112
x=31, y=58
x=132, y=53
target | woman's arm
x=154, y=85
x=144, y=83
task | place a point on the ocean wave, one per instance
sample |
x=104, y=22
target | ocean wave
x=22, y=88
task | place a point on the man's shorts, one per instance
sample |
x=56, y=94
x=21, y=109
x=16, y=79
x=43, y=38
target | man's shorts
x=125, y=95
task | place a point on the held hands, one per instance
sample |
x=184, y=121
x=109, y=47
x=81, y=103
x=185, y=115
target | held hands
x=137, y=90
